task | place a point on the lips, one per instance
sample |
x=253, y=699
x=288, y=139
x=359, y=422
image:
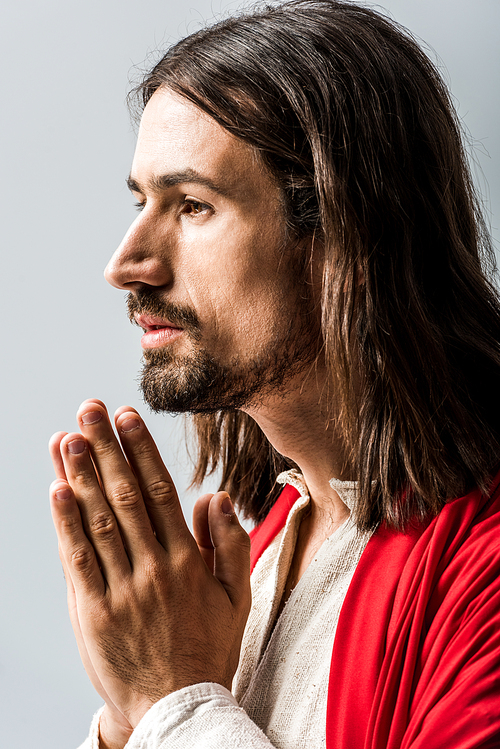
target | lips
x=157, y=331
x=149, y=323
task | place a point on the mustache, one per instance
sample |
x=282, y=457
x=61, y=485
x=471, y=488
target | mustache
x=148, y=302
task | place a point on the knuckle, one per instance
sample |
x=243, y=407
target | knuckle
x=153, y=574
x=69, y=525
x=124, y=495
x=161, y=492
x=240, y=537
x=84, y=479
x=82, y=559
x=102, y=524
x=183, y=563
x=104, y=447
x=242, y=548
x=244, y=541
x=144, y=450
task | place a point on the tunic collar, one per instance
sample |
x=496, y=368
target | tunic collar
x=347, y=490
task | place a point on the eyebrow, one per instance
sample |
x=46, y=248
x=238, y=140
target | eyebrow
x=159, y=183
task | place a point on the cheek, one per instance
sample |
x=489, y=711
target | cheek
x=237, y=278
x=248, y=319
x=229, y=265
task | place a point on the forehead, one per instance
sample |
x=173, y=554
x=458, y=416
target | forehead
x=175, y=136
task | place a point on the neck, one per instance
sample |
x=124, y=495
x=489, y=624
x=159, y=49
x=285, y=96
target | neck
x=297, y=425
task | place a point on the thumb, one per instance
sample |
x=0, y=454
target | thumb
x=231, y=549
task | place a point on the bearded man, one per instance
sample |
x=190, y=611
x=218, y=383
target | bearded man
x=306, y=267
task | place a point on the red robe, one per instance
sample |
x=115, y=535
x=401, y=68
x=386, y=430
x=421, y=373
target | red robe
x=416, y=657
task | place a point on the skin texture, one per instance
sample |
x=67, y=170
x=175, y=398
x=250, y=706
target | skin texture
x=155, y=609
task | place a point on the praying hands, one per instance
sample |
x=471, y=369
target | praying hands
x=154, y=609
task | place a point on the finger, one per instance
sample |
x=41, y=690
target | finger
x=119, y=483
x=80, y=641
x=55, y=454
x=155, y=482
x=201, y=530
x=73, y=608
x=232, y=550
x=94, y=400
x=69, y=582
x=124, y=409
x=79, y=557
x=72, y=603
x=100, y=524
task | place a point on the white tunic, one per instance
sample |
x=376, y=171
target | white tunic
x=280, y=689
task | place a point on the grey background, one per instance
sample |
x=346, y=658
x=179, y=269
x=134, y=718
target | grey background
x=66, y=146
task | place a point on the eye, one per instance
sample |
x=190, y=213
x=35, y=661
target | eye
x=194, y=207
x=139, y=206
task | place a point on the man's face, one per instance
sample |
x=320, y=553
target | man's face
x=213, y=279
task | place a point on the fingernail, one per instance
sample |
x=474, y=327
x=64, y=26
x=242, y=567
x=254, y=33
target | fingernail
x=227, y=506
x=75, y=447
x=92, y=417
x=63, y=494
x=130, y=424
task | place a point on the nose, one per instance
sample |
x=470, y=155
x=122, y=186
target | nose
x=139, y=260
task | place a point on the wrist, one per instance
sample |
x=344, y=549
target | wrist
x=114, y=730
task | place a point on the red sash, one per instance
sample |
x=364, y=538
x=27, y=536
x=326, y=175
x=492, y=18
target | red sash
x=416, y=658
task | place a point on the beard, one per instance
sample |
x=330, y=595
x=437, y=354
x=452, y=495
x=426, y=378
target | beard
x=199, y=383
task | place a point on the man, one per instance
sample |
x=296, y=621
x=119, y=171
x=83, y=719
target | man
x=306, y=270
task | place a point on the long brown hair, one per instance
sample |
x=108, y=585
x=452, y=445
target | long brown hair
x=357, y=126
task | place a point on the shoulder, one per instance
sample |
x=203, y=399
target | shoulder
x=423, y=615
